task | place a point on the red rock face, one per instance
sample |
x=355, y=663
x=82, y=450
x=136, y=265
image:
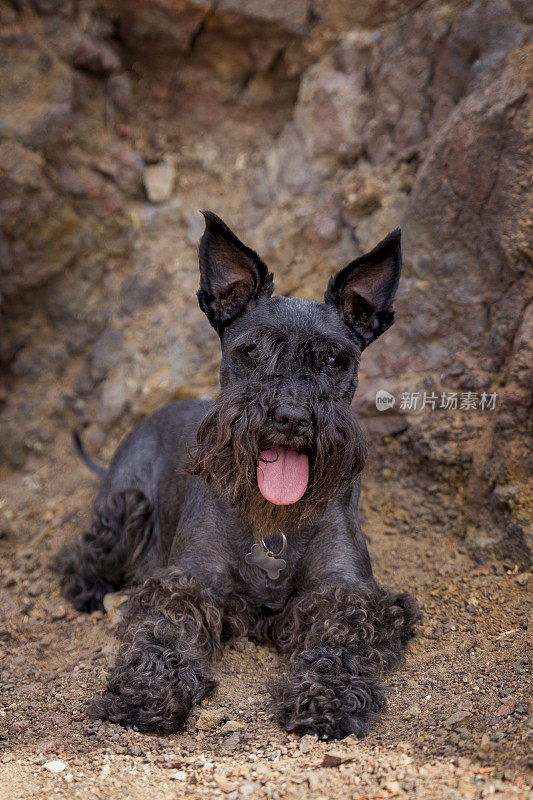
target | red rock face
x=316, y=129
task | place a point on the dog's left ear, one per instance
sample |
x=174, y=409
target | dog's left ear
x=363, y=291
x=232, y=276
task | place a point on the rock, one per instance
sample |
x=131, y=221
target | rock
x=58, y=612
x=210, y=718
x=522, y=578
x=307, y=742
x=313, y=781
x=114, y=397
x=170, y=761
x=159, y=181
x=328, y=115
x=457, y=718
x=95, y=56
x=334, y=758
x=20, y=725
x=412, y=711
x=12, y=448
x=54, y=766
x=224, y=784
x=121, y=92
x=231, y=726
x=231, y=743
x=506, y=709
x=247, y=789
x=107, y=351
x=36, y=104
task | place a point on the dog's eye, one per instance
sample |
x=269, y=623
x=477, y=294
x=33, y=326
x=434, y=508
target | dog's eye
x=333, y=361
x=252, y=352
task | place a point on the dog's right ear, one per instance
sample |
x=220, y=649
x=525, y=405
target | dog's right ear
x=232, y=276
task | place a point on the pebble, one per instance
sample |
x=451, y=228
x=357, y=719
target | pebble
x=159, y=181
x=55, y=766
x=412, y=711
x=506, y=709
x=210, y=718
x=224, y=784
x=456, y=718
x=522, y=578
x=231, y=743
x=307, y=742
x=335, y=757
x=313, y=780
x=231, y=726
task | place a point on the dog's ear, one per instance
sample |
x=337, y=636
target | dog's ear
x=232, y=276
x=363, y=291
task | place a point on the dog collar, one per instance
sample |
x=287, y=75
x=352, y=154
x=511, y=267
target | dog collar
x=264, y=558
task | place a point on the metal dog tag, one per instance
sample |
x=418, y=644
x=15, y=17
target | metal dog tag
x=262, y=558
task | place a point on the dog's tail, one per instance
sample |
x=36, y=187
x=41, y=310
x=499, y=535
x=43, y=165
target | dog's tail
x=86, y=458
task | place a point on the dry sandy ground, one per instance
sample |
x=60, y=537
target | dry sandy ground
x=458, y=724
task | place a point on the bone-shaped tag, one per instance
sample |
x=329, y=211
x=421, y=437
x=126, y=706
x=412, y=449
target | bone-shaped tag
x=259, y=557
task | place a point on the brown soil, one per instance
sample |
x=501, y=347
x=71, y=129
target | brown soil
x=470, y=655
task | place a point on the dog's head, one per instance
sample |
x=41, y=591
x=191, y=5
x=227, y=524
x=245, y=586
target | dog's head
x=280, y=440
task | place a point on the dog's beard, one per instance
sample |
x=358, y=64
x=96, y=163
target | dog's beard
x=236, y=429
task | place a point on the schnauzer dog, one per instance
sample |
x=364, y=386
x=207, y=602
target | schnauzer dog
x=240, y=517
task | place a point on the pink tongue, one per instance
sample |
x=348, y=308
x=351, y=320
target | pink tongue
x=282, y=475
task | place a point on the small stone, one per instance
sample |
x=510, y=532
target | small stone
x=20, y=725
x=307, y=742
x=522, y=578
x=231, y=743
x=159, y=181
x=54, y=766
x=170, y=761
x=231, y=726
x=313, y=780
x=522, y=708
x=506, y=709
x=224, y=785
x=335, y=757
x=457, y=718
x=210, y=719
x=412, y=711
x=247, y=789
x=57, y=613
x=105, y=772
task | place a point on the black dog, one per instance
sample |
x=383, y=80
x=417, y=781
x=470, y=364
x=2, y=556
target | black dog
x=199, y=498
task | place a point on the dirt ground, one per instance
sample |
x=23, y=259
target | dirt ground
x=458, y=724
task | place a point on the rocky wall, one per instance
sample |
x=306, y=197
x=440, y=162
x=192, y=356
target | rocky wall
x=315, y=128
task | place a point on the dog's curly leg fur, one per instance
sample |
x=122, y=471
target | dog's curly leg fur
x=103, y=558
x=171, y=635
x=340, y=644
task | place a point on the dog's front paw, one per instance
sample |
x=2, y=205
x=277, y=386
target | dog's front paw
x=142, y=711
x=307, y=705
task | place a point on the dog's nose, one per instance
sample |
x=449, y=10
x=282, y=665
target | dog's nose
x=290, y=419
